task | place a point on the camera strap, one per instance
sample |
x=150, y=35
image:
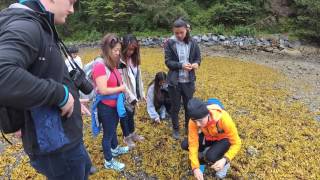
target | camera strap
x=68, y=56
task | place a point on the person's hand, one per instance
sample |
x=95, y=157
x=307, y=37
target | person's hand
x=122, y=88
x=67, y=109
x=84, y=109
x=198, y=174
x=18, y=134
x=217, y=166
x=187, y=66
x=157, y=120
x=195, y=66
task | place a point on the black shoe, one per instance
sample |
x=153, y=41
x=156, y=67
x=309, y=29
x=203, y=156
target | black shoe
x=176, y=134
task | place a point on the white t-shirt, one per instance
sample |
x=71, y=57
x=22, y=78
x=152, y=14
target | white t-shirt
x=77, y=60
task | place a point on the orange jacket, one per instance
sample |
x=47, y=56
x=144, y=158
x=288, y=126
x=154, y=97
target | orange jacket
x=225, y=123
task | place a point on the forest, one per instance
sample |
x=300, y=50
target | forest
x=92, y=18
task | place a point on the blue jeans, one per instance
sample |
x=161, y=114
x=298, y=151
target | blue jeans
x=108, y=117
x=73, y=164
x=127, y=123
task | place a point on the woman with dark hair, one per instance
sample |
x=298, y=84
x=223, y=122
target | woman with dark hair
x=108, y=81
x=158, y=102
x=182, y=57
x=130, y=71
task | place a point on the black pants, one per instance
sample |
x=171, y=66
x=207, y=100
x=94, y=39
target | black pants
x=127, y=123
x=216, y=150
x=184, y=91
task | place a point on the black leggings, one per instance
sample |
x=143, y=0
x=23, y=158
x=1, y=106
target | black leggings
x=216, y=150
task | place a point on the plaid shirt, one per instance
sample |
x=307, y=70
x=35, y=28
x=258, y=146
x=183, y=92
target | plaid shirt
x=183, y=51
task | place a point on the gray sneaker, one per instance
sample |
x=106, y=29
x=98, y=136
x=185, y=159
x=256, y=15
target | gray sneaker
x=176, y=134
x=223, y=172
x=129, y=142
x=136, y=138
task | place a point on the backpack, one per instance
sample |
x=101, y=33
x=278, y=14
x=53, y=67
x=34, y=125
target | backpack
x=88, y=71
x=11, y=119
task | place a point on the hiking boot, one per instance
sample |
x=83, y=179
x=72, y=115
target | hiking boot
x=128, y=141
x=223, y=172
x=114, y=165
x=176, y=134
x=119, y=151
x=136, y=138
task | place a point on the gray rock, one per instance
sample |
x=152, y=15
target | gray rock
x=295, y=44
x=317, y=118
x=214, y=38
x=296, y=97
x=282, y=43
x=252, y=152
x=205, y=38
x=268, y=49
x=197, y=38
x=208, y=44
x=226, y=43
x=222, y=38
x=291, y=52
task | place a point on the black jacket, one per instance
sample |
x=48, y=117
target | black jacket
x=33, y=71
x=172, y=60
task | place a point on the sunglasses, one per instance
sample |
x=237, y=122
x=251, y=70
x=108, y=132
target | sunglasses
x=113, y=41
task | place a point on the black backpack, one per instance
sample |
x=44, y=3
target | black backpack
x=12, y=120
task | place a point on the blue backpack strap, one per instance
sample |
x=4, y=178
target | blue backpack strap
x=215, y=101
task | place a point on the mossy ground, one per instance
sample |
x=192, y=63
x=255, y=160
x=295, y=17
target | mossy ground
x=282, y=132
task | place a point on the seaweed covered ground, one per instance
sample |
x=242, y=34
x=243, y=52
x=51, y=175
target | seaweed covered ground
x=281, y=139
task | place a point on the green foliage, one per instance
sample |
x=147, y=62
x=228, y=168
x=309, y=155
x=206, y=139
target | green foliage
x=152, y=17
x=244, y=31
x=219, y=29
x=5, y=3
x=307, y=24
x=85, y=36
x=232, y=13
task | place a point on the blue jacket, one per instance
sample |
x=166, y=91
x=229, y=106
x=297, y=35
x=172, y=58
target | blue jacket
x=95, y=124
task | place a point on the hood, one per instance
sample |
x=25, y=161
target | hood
x=215, y=112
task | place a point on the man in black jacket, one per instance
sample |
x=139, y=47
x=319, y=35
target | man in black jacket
x=182, y=57
x=33, y=74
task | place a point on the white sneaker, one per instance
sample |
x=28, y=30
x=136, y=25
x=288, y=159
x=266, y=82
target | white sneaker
x=223, y=172
x=113, y=164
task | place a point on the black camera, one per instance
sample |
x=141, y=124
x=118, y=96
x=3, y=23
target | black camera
x=78, y=76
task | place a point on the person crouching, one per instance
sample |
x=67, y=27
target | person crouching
x=218, y=141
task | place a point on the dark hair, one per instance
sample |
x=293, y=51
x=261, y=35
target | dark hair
x=73, y=49
x=108, y=42
x=160, y=76
x=127, y=42
x=182, y=23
